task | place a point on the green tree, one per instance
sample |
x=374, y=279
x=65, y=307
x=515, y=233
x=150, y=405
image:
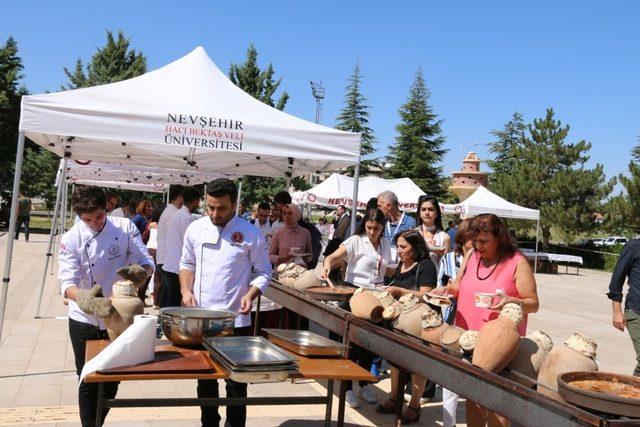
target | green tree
x=503, y=148
x=262, y=85
x=631, y=184
x=635, y=152
x=418, y=150
x=113, y=62
x=354, y=117
x=11, y=92
x=551, y=175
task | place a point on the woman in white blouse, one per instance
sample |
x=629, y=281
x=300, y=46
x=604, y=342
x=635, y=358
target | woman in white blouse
x=430, y=228
x=367, y=255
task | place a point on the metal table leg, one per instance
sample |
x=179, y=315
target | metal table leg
x=341, y=400
x=402, y=382
x=327, y=416
x=99, y=405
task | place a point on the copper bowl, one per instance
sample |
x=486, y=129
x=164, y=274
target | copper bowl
x=603, y=402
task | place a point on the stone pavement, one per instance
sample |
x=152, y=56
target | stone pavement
x=38, y=384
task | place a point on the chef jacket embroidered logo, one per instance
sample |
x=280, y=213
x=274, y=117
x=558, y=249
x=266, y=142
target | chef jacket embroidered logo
x=114, y=250
x=237, y=237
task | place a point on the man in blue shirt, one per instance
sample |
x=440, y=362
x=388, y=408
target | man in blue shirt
x=396, y=221
x=628, y=266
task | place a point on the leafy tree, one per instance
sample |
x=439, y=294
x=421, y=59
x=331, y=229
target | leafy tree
x=354, y=117
x=550, y=175
x=40, y=170
x=418, y=148
x=631, y=207
x=11, y=92
x=619, y=218
x=262, y=85
x=113, y=62
x=503, y=148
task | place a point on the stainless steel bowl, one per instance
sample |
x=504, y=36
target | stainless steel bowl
x=188, y=325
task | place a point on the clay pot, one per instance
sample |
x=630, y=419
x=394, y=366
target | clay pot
x=532, y=351
x=577, y=354
x=410, y=319
x=498, y=340
x=433, y=335
x=386, y=299
x=126, y=304
x=392, y=312
x=468, y=341
x=297, y=277
x=449, y=339
x=366, y=305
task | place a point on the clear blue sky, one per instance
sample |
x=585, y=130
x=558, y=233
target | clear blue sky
x=482, y=60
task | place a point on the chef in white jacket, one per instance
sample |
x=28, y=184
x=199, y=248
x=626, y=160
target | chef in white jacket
x=224, y=265
x=96, y=252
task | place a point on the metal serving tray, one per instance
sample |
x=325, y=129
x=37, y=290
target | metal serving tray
x=248, y=351
x=305, y=343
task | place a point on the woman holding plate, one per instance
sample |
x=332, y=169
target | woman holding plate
x=431, y=229
x=290, y=240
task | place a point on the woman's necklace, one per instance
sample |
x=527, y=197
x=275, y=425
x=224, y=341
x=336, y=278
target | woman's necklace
x=405, y=268
x=490, y=273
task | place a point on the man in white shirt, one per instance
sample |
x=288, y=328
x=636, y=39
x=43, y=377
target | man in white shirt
x=176, y=227
x=92, y=255
x=175, y=203
x=113, y=206
x=262, y=220
x=224, y=265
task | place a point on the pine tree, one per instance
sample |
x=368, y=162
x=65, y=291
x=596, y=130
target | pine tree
x=11, y=92
x=354, y=117
x=418, y=148
x=262, y=85
x=112, y=63
x=503, y=148
x=631, y=184
x=550, y=175
x=635, y=153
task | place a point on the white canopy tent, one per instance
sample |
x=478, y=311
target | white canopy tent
x=338, y=190
x=483, y=201
x=185, y=116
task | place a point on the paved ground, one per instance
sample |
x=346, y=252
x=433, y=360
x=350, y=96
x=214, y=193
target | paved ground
x=38, y=384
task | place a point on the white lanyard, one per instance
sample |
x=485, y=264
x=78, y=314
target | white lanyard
x=397, y=227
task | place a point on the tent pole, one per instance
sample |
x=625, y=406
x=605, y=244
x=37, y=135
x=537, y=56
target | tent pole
x=12, y=229
x=56, y=212
x=239, y=196
x=535, y=265
x=354, y=206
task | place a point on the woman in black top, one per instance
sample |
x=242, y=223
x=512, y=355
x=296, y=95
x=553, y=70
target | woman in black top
x=416, y=274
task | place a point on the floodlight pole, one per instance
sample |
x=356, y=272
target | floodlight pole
x=56, y=212
x=317, y=90
x=12, y=229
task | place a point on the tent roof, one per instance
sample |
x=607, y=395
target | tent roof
x=484, y=201
x=338, y=190
x=185, y=115
x=122, y=185
x=127, y=174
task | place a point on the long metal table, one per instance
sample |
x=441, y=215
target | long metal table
x=513, y=400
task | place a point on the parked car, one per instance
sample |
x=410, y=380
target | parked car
x=610, y=241
x=597, y=241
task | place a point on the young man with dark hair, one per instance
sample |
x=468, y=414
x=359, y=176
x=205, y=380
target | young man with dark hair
x=176, y=227
x=224, y=265
x=175, y=202
x=93, y=253
x=262, y=220
x=24, y=215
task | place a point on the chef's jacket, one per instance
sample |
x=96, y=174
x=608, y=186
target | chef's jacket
x=163, y=224
x=226, y=262
x=176, y=227
x=88, y=258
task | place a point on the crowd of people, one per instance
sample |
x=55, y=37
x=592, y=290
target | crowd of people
x=223, y=260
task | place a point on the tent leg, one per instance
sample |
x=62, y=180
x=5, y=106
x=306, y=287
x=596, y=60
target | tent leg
x=239, y=196
x=54, y=221
x=354, y=206
x=12, y=229
x=535, y=262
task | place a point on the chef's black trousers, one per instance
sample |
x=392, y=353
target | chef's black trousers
x=236, y=415
x=80, y=333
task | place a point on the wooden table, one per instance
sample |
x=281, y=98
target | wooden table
x=329, y=369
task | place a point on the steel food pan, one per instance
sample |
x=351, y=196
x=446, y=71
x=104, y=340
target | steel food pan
x=305, y=343
x=248, y=351
x=255, y=374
